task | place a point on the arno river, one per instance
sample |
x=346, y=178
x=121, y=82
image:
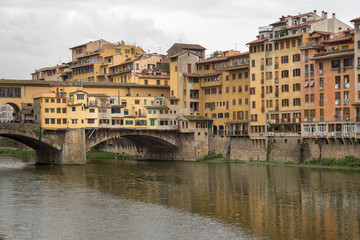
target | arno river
x=176, y=200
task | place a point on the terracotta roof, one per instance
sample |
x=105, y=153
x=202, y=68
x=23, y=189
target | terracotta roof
x=355, y=19
x=302, y=14
x=124, y=63
x=287, y=37
x=321, y=32
x=178, y=54
x=260, y=40
x=188, y=46
x=153, y=76
x=84, y=65
x=201, y=75
x=240, y=54
x=215, y=59
x=304, y=24
x=236, y=67
x=334, y=55
x=89, y=55
x=197, y=118
x=237, y=121
x=279, y=22
x=340, y=38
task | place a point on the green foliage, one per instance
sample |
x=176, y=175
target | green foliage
x=348, y=161
x=17, y=152
x=165, y=67
x=215, y=54
x=37, y=132
x=212, y=158
x=93, y=155
x=284, y=32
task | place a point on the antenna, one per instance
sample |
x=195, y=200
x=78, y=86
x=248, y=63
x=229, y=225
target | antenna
x=235, y=46
x=179, y=40
x=160, y=50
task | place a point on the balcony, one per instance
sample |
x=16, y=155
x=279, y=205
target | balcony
x=309, y=119
x=266, y=29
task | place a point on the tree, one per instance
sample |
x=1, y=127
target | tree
x=215, y=54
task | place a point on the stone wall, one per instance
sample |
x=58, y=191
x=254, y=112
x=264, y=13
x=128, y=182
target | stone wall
x=282, y=149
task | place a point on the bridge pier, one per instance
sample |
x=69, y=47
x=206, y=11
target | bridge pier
x=73, y=149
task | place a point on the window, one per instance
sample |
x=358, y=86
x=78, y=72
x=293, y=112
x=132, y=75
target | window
x=46, y=110
x=157, y=82
x=146, y=82
x=284, y=59
x=47, y=120
x=58, y=110
x=58, y=121
x=73, y=109
x=52, y=120
x=46, y=100
x=253, y=104
x=52, y=100
x=90, y=121
x=252, y=63
x=92, y=110
x=296, y=72
x=52, y=110
x=348, y=62
x=296, y=101
x=285, y=88
x=64, y=110
x=296, y=58
x=285, y=102
x=253, y=76
x=80, y=96
x=335, y=64
x=285, y=73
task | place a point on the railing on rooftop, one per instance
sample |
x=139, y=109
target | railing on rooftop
x=266, y=29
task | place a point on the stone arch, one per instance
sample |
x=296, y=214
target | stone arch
x=140, y=142
x=215, y=130
x=43, y=150
x=16, y=110
x=221, y=130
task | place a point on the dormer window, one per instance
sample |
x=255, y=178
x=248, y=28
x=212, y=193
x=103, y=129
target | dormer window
x=303, y=20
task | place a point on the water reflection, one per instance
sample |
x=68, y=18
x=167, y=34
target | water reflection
x=272, y=202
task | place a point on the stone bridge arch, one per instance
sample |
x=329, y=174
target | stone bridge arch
x=31, y=135
x=150, y=144
x=16, y=109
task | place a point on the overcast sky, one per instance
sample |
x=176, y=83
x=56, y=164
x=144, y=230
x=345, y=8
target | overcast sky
x=38, y=33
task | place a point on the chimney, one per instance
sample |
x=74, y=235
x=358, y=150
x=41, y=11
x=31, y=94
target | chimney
x=325, y=15
x=322, y=14
x=315, y=15
x=333, y=15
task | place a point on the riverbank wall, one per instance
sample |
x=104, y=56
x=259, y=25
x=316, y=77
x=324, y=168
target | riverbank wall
x=283, y=149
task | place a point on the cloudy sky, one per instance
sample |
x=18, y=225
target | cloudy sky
x=39, y=33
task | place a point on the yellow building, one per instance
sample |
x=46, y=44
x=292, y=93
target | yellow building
x=275, y=72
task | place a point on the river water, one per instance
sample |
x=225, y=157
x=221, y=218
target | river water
x=176, y=200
